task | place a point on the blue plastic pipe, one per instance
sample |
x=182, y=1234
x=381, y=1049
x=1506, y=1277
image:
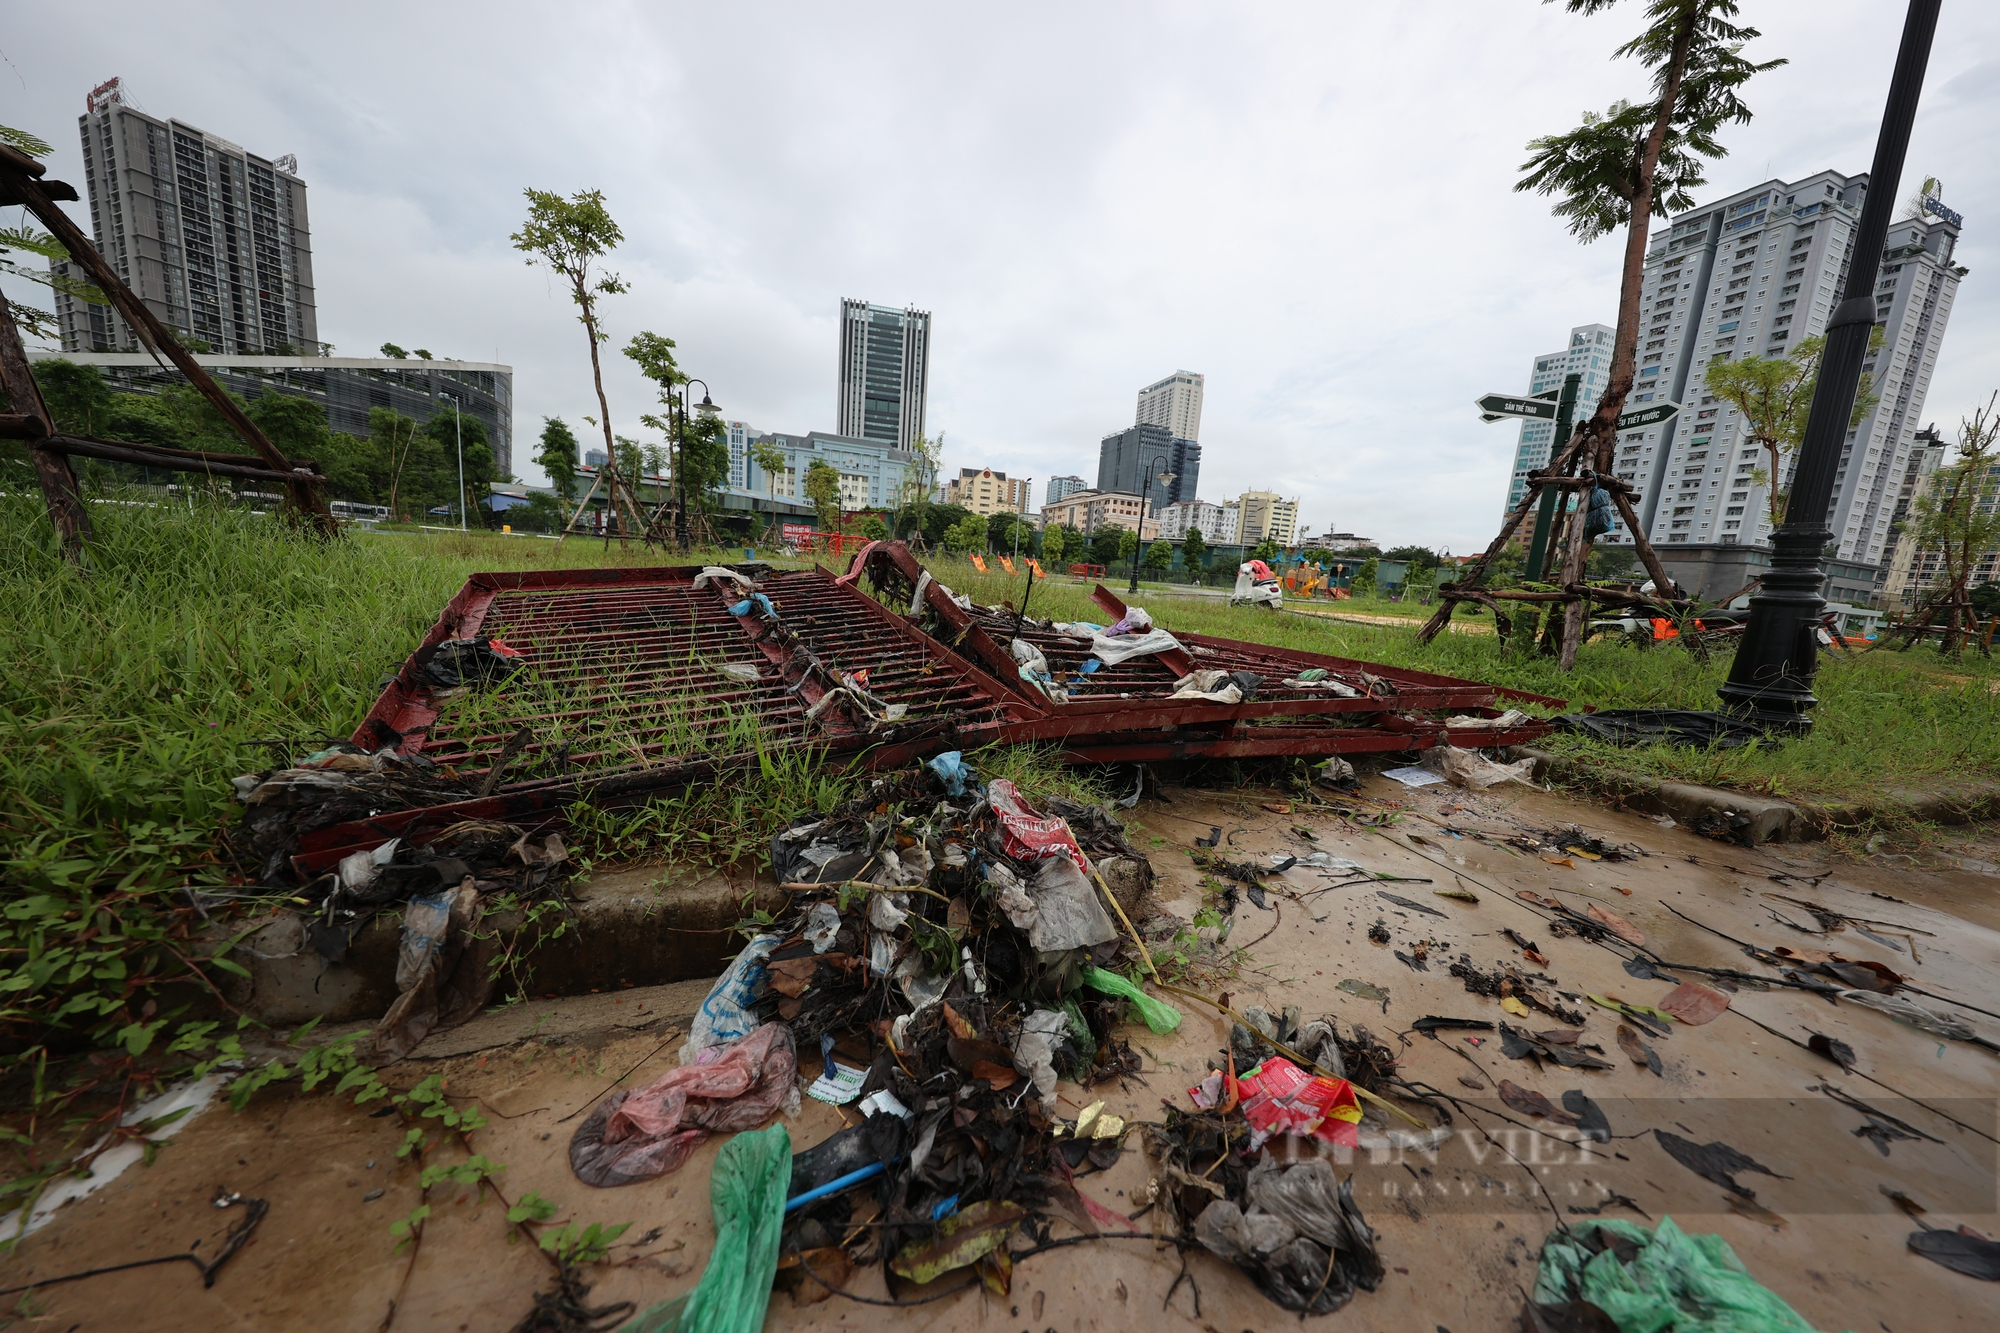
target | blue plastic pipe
x=835, y=1186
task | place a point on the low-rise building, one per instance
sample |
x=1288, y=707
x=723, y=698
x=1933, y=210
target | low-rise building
x=1215, y=523
x=1087, y=511
x=872, y=474
x=1338, y=542
x=984, y=491
x=1914, y=571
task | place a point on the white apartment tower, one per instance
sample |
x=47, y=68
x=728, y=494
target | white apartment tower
x=1174, y=403
x=212, y=238
x=1588, y=355
x=1753, y=275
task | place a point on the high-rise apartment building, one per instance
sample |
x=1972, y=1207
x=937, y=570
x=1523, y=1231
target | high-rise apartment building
x=212, y=237
x=1132, y=460
x=1058, y=487
x=1215, y=523
x=1268, y=516
x=885, y=357
x=1588, y=355
x=1174, y=404
x=984, y=491
x=1754, y=275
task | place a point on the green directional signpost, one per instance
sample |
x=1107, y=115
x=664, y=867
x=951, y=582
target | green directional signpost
x=1558, y=406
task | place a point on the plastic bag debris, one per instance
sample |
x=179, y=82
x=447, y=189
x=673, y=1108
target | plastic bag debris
x=822, y=926
x=1034, y=1052
x=1029, y=836
x=1068, y=914
x=1111, y=650
x=1668, y=726
x=471, y=663
x=1660, y=1279
x=1471, y=770
x=633, y=1136
x=725, y=1014
x=956, y=775
x=744, y=673
x=1212, y=685
x=1010, y=896
x=722, y=574
x=1280, y=1098
x=1413, y=777
x=1938, y=1025
x=444, y=976
x=746, y=1191
x=1224, y=1229
x=1277, y=1238
x=1974, y=1256
x=757, y=600
x=1158, y=1015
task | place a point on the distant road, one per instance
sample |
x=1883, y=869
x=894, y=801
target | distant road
x=1358, y=618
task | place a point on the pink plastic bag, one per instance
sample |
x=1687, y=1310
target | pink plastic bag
x=1027, y=836
x=634, y=1136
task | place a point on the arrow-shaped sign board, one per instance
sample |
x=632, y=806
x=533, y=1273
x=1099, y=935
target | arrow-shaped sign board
x=1650, y=415
x=1493, y=406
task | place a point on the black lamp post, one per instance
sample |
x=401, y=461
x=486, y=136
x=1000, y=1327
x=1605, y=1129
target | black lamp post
x=1771, y=678
x=1145, y=503
x=708, y=409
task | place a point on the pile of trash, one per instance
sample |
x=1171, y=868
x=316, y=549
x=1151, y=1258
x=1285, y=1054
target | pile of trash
x=952, y=950
x=444, y=965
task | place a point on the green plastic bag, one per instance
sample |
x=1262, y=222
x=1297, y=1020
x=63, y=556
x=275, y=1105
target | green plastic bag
x=753, y=1174
x=1677, y=1283
x=1158, y=1014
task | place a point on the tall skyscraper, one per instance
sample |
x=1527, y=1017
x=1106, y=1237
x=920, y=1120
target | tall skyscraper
x=1173, y=403
x=1753, y=275
x=1058, y=487
x=1588, y=355
x=213, y=238
x=885, y=359
x=1127, y=458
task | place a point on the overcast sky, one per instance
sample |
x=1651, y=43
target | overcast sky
x=1308, y=203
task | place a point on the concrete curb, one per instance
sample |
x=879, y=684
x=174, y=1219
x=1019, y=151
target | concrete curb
x=1753, y=820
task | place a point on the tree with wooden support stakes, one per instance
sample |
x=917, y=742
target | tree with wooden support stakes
x=1624, y=168
x=29, y=418
x=1958, y=516
x=569, y=237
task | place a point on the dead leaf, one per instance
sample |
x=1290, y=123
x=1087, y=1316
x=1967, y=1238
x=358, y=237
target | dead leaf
x=973, y=1231
x=1616, y=924
x=1278, y=807
x=1636, y=1050
x=1560, y=861
x=792, y=976
x=1832, y=1048
x=1974, y=1256
x=829, y=1266
x=1531, y=1103
x=1807, y=955
x=958, y=1026
x=1756, y=1212
x=996, y=1076
x=1535, y=956
x=969, y=1053
x=1561, y=1036
x=1578, y=851
x=1864, y=975
x=1463, y=895
x=1471, y=1082
x=1717, y=1162
x=958, y=915
x=1692, y=1002
x=1514, y=1006
x=996, y=1270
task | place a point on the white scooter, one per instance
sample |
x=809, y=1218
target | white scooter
x=1256, y=585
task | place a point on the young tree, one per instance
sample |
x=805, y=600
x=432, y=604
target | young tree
x=394, y=353
x=1194, y=553
x=1773, y=394
x=451, y=435
x=913, y=513
x=968, y=534
x=1958, y=516
x=873, y=527
x=771, y=460
x=558, y=457
x=569, y=236
x=1160, y=556
x=1635, y=163
x=33, y=322
x=394, y=438
x=1053, y=544
x=822, y=487
x=1267, y=549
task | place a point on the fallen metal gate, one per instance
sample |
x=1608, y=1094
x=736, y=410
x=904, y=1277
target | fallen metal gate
x=635, y=681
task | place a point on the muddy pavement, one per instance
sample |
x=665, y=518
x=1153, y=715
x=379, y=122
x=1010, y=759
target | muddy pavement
x=1460, y=1215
